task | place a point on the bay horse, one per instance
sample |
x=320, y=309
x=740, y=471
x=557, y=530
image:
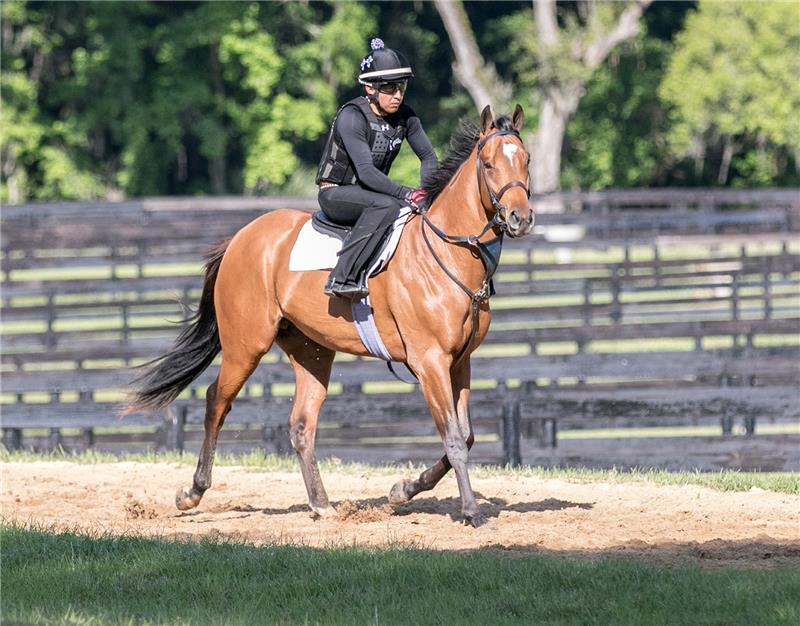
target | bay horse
x=430, y=305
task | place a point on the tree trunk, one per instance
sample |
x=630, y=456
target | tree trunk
x=545, y=146
x=217, y=167
x=559, y=90
x=725, y=165
x=479, y=78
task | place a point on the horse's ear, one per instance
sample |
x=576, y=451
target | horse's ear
x=487, y=119
x=518, y=119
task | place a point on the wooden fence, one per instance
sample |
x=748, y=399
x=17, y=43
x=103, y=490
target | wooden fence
x=640, y=310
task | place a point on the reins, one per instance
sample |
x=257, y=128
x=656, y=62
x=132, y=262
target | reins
x=489, y=252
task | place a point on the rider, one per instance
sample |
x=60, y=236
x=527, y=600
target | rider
x=364, y=139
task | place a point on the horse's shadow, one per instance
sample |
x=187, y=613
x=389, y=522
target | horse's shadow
x=491, y=507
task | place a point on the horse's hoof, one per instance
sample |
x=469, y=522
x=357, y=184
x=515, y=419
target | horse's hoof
x=324, y=511
x=398, y=493
x=479, y=520
x=187, y=498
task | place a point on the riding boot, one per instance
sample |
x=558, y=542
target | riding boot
x=349, y=278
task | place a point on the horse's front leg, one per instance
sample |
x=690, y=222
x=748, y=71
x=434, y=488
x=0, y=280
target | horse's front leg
x=404, y=490
x=437, y=386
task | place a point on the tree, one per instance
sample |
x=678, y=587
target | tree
x=478, y=77
x=617, y=136
x=41, y=156
x=142, y=98
x=560, y=48
x=734, y=87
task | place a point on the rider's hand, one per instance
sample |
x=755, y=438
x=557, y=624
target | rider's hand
x=417, y=198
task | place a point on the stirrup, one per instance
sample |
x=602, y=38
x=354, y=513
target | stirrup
x=349, y=291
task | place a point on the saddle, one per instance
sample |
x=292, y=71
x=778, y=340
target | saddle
x=322, y=224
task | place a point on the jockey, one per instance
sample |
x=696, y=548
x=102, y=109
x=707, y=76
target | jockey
x=354, y=188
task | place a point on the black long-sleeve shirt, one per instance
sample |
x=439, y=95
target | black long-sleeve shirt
x=354, y=131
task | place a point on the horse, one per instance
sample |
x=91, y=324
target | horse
x=430, y=305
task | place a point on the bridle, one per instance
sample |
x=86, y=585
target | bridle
x=481, y=171
x=489, y=251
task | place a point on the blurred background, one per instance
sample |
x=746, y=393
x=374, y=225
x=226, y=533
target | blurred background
x=112, y=100
x=652, y=319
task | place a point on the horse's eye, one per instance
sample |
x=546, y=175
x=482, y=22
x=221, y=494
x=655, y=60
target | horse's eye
x=488, y=165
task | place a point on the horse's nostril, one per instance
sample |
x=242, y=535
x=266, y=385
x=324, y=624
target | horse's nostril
x=513, y=219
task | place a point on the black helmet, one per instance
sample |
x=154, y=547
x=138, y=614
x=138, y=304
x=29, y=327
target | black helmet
x=383, y=65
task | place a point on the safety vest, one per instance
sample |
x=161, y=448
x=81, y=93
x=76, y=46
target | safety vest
x=384, y=141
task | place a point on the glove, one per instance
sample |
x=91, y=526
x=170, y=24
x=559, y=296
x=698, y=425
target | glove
x=417, y=198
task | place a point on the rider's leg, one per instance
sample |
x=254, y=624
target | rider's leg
x=372, y=214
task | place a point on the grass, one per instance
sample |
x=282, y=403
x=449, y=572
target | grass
x=69, y=578
x=726, y=480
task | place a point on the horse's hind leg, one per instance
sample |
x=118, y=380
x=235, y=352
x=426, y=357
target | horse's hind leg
x=312, y=368
x=244, y=338
x=404, y=490
x=234, y=371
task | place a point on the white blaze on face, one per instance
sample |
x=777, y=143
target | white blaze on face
x=510, y=149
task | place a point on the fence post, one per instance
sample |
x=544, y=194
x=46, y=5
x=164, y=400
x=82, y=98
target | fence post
x=766, y=286
x=511, y=435
x=727, y=418
x=550, y=427
x=173, y=431
x=54, y=439
x=12, y=438
x=87, y=437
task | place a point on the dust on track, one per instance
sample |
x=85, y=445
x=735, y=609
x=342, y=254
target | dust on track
x=666, y=525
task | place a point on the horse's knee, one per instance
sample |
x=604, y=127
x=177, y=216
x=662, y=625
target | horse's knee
x=300, y=435
x=456, y=448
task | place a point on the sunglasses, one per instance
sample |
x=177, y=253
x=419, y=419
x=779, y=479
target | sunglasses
x=390, y=88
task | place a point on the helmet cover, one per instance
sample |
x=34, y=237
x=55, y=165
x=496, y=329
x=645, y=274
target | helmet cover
x=383, y=65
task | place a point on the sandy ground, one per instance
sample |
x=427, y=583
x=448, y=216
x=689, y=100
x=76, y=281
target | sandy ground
x=663, y=524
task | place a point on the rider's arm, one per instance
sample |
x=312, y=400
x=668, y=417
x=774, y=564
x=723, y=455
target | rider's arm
x=353, y=130
x=422, y=147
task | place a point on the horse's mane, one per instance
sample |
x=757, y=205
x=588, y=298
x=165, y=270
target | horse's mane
x=461, y=146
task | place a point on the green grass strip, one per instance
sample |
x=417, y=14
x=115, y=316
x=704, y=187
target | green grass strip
x=725, y=480
x=66, y=578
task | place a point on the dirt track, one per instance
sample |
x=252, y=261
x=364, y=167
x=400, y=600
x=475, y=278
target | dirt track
x=663, y=524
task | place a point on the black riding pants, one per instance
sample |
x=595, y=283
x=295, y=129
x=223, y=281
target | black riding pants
x=371, y=214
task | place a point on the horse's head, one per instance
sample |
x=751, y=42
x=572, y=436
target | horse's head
x=503, y=176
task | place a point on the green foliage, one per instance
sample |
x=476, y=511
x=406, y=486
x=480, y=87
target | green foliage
x=40, y=159
x=22, y=135
x=152, y=98
x=405, y=169
x=114, y=99
x=734, y=76
x=617, y=138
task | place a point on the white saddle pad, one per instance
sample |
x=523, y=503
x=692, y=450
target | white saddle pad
x=315, y=251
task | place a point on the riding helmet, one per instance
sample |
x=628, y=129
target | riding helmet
x=383, y=65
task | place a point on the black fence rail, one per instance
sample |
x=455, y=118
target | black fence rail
x=641, y=310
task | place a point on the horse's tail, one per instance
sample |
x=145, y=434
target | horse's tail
x=194, y=349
